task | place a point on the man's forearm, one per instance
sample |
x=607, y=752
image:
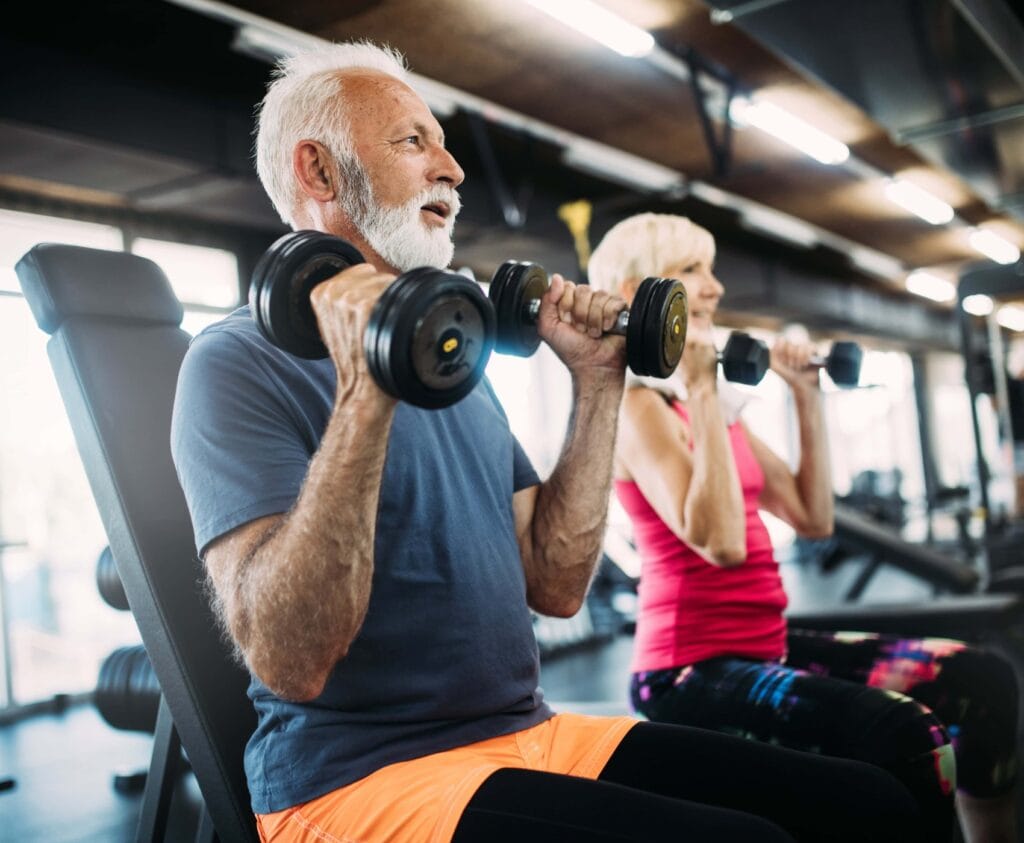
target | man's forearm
x=814, y=478
x=571, y=510
x=304, y=591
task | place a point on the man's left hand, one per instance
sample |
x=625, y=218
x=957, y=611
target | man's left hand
x=573, y=319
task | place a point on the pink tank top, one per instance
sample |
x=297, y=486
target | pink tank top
x=691, y=610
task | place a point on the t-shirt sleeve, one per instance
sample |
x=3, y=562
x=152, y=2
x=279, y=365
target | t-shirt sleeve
x=238, y=452
x=523, y=473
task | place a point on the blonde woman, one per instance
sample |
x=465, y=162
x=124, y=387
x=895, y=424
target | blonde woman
x=712, y=646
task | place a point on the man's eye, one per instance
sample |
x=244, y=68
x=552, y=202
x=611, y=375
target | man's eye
x=413, y=139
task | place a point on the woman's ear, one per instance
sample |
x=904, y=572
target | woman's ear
x=628, y=288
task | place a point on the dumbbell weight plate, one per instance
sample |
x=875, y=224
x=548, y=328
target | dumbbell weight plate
x=656, y=332
x=670, y=304
x=843, y=363
x=513, y=286
x=282, y=282
x=636, y=328
x=429, y=338
x=744, y=359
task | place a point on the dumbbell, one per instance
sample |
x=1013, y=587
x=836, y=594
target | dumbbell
x=429, y=336
x=654, y=326
x=745, y=360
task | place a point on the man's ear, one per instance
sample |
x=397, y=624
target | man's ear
x=314, y=171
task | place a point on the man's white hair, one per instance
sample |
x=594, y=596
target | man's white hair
x=304, y=102
x=643, y=245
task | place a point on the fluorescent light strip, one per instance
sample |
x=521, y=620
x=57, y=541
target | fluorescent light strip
x=780, y=226
x=920, y=202
x=1011, y=316
x=929, y=286
x=598, y=23
x=621, y=168
x=782, y=125
x=991, y=244
x=978, y=305
x=877, y=263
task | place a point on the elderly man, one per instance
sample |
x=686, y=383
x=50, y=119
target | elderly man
x=375, y=563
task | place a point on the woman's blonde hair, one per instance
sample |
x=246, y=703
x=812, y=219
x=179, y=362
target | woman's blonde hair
x=643, y=245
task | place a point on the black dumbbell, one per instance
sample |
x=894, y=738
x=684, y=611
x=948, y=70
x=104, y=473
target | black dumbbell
x=429, y=336
x=745, y=360
x=654, y=326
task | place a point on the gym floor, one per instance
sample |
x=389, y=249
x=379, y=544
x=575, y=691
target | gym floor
x=65, y=763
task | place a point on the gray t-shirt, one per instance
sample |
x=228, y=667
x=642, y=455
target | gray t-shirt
x=446, y=655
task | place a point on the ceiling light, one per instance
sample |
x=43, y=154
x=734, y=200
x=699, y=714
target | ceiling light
x=912, y=198
x=977, y=305
x=598, y=23
x=621, y=167
x=780, y=226
x=930, y=286
x=876, y=263
x=989, y=243
x=1011, y=316
x=792, y=130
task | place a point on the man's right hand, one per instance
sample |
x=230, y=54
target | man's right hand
x=342, y=305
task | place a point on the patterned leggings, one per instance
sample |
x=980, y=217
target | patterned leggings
x=862, y=696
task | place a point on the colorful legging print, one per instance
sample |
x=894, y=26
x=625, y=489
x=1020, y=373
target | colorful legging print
x=862, y=696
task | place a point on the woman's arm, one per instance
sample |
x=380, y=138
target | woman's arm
x=697, y=494
x=804, y=499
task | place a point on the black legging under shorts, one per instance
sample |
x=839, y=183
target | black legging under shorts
x=673, y=783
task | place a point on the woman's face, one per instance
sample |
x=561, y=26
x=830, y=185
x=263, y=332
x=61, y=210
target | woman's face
x=703, y=292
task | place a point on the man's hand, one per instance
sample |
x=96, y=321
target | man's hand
x=573, y=320
x=791, y=362
x=342, y=305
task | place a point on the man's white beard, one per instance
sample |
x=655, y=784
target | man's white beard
x=398, y=234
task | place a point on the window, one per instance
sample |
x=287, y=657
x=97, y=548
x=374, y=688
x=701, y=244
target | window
x=204, y=279
x=55, y=629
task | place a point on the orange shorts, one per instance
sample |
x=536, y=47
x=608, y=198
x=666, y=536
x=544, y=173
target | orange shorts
x=423, y=799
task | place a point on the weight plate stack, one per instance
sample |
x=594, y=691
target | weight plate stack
x=282, y=282
x=429, y=337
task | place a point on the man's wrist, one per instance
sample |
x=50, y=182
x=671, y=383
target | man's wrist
x=598, y=379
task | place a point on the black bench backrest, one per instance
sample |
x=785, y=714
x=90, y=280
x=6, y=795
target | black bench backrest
x=116, y=347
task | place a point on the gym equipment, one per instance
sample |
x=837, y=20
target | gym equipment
x=108, y=581
x=745, y=360
x=654, y=327
x=115, y=348
x=430, y=333
x=127, y=692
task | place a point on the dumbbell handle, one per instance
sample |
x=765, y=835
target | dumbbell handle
x=621, y=321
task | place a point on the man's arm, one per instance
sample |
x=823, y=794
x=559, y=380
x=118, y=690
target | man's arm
x=561, y=523
x=293, y=589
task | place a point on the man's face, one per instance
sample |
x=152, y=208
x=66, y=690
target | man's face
x=402, y=195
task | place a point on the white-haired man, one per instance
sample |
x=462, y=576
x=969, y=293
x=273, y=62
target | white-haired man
x=375, y=564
